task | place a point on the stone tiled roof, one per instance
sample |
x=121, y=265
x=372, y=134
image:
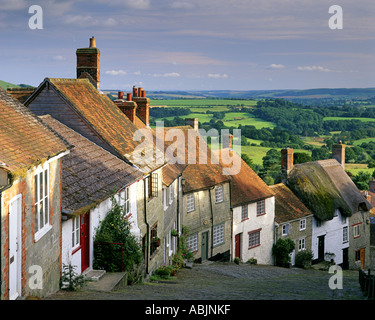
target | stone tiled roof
x=24, y=140
x=287, y=206
x=107, y=120
x=90, y=174
x=246, y=185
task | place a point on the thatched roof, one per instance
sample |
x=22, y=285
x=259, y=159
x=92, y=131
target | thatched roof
x=323, y=186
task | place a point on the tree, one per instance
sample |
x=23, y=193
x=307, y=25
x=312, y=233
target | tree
x=301, y=157
x=361, y=180
x=282, y=250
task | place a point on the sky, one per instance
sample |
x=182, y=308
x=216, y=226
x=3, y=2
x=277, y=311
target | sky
x=193, y=44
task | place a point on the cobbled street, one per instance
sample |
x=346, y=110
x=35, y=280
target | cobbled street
x=228, y=281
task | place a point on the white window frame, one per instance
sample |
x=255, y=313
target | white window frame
x=126, y=201
x=356, y=231
x=190, y=202
x=301, y=244
x=171, y=193
x=192, y=242
x=302, y=224
x=218, y=235
x=219, y=194
x=76, y=230
x=165, y=201
x=41, y=201
x=345, y=234
x=285, y=229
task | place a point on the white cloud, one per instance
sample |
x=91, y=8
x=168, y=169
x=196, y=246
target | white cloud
x=89, y=21
x=116, y=72
x=167, y=75
x=12, y=4
x=313, y=68
x=276, y=66
x=218, y=75
x=59, y=58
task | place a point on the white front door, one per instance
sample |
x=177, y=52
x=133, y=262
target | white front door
x=15, y=211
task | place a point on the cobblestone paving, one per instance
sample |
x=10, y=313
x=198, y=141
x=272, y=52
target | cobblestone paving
x=228, y=281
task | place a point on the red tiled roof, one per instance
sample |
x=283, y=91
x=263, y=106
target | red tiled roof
x=246, y=185
x=24, y=140
x=287, y=206
x=106, y=119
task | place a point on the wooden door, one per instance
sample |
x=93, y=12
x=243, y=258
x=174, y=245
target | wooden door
x=362, y=257
x=321, y=247
x=204, y=246
x=85, y=241
x=237, y=246
x=15, y=242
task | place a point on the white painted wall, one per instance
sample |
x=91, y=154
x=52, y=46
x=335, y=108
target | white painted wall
x=333, y=231
x=97, y=214
x=262, y=253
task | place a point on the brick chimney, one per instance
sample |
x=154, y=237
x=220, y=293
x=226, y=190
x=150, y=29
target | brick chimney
x=88, y=63
x=227, y=141
x=143, y=105
x=286, y=162
x=193, y=122
x=128, y=107
x=338, y=153
x=372, y=185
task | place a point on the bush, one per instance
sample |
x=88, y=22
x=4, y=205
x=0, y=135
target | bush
x=237, y=260
x=69, y=279
x=282, y=250
x=115, y=228
x=304, y=259
x=252, y=261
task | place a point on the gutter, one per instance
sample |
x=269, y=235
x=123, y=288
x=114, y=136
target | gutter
x=212, y=222
x=10, y=183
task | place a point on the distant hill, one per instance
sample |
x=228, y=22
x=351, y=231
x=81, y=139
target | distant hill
x=319, y=93
x=5, y=85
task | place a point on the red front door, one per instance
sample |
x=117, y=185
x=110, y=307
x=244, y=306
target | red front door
x=85, y=241
x=237, y=252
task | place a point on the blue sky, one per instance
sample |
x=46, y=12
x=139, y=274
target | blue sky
x=193, y=44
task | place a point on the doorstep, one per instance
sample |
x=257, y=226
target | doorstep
x=110, y=281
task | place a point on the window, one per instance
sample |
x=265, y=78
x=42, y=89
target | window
x=261, y=207
x=190, y=202
x=165, y=198
x=192, y=242
x=126, y=201
x=302, y=224
x=218, y=235
x=153, y=185
x=155, y=241
x=219, y=194
x=254, y=238
x=285, y=229
x=171, y=193
x=356, y=232
x=301, y=244
x=41, y=193
x=244, y=212
x=345, y=237
x=75, y=231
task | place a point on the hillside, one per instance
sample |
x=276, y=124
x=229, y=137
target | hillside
x=6, y=85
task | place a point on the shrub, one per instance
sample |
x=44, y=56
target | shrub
x=237, y=260
x=281, y=251
x=304, y=259
x=115, y=228
x=69, y=279
x=252, y=261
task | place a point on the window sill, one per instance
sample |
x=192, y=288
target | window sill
x=244, y=219
x=257, y=245
x=76, y=249
x=262, y=214
x=42, y=232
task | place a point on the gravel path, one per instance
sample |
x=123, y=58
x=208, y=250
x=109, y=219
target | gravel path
x=228, y=281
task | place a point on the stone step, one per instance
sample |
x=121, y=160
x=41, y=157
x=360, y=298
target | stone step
x=110, y=281
x=94, y=275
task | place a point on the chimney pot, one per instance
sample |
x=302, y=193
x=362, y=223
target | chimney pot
x=143, y=94
x=286, y=162
x=192, y=122
x=120, y=95
x=128, y=97
x=92, y=42
x=135, y=91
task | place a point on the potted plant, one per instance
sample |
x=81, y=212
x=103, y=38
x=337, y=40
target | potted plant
x=156, y=242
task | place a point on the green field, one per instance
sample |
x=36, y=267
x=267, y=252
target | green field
x=354, y=168
x=360, y=141
x=348, y=118
x=204, y=103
